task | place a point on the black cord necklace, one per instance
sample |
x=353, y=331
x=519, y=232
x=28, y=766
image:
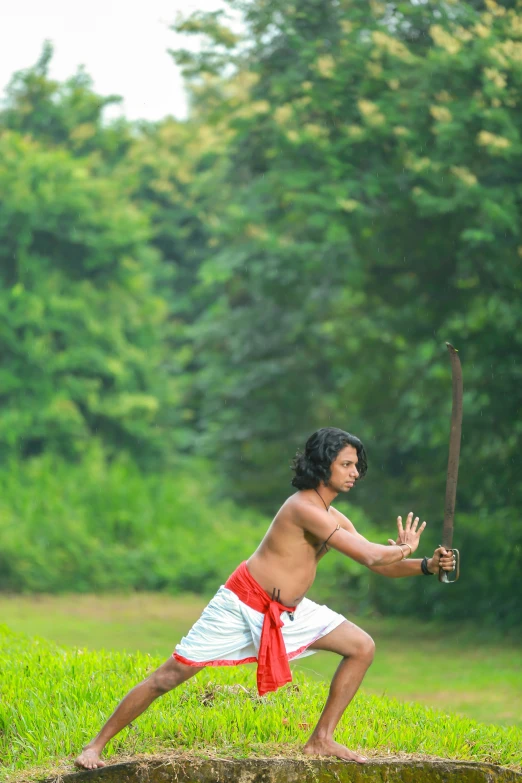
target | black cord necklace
x=326, y=507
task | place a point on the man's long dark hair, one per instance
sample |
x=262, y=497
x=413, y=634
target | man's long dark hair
x=321, y=449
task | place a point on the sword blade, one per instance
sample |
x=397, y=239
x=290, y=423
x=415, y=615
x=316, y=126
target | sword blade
x=454, y=448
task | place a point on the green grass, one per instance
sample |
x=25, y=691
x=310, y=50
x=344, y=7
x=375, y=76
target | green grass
x=461, y=669
x=52, y=700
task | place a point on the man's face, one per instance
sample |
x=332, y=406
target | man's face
x=344, y=470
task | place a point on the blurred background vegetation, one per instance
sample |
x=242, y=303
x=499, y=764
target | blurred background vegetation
x=182, y=303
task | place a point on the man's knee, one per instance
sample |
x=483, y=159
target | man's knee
x=364, y=647
x=171, y=674
x=369, y=648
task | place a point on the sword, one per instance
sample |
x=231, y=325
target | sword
x=453, y=466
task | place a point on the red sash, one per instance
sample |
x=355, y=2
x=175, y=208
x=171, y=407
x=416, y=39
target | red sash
x=273, y=669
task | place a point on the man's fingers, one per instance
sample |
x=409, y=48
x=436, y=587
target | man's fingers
x=408, y=521
x=415, y=523
x=444, y=559
x=399, y=526
x=447, y=559
x=391, y=541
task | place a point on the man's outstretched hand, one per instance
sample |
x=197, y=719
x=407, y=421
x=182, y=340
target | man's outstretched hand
x=409, y=533
x=442, y=558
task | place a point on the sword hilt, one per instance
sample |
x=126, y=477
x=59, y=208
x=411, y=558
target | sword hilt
x=444, y=576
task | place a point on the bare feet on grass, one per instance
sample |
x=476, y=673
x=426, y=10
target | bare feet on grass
x=328, y=747
x=89, y=758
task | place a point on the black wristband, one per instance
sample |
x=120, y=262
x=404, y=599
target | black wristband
x=424, y=567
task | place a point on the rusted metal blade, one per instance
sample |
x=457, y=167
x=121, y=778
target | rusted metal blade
x=454, y=454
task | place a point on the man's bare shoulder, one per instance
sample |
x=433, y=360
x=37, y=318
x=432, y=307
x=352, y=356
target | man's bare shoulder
x=298, y=506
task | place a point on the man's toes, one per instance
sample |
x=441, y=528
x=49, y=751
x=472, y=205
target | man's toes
x=86, y=761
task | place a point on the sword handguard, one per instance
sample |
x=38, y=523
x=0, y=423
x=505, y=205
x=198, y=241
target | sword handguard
x=444, y=576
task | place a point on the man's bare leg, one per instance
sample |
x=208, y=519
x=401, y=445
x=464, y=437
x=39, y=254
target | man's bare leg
x=357, y=649
x=168, y=676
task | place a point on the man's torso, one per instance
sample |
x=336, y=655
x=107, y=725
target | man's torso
x=286, y=559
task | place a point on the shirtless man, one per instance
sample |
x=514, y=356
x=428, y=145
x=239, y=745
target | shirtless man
x=261, y=613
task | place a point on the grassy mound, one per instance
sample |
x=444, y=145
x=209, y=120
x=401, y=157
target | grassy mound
x=53, y=700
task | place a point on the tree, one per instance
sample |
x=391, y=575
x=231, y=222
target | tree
x=369, y=211
x=84, y=328
x=68, y=115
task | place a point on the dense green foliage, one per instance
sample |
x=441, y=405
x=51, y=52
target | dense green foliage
x=109, y=526
x=369, y=211
x=84, y=331
x=53, y=701
x=343, y=198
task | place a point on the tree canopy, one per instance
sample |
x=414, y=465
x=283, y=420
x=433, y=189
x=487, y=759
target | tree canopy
x=368, y=212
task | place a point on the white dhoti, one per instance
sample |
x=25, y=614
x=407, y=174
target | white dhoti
x=228, y=633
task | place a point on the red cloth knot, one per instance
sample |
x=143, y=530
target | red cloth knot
x=273, y=669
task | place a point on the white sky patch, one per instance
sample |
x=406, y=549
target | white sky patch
x=123, y=46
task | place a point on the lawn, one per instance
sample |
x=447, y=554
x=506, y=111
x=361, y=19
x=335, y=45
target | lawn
x=53, y=700
x=458, y=669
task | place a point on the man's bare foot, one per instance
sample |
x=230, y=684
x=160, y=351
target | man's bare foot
x=89, y=758
x=328, y=747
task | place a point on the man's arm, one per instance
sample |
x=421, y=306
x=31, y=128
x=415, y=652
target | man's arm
x=409, y=567
x=319, y=523
x=395, y=571
x=441, y=559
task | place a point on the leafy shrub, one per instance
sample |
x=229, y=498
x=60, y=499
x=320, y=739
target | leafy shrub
x=100, y=525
